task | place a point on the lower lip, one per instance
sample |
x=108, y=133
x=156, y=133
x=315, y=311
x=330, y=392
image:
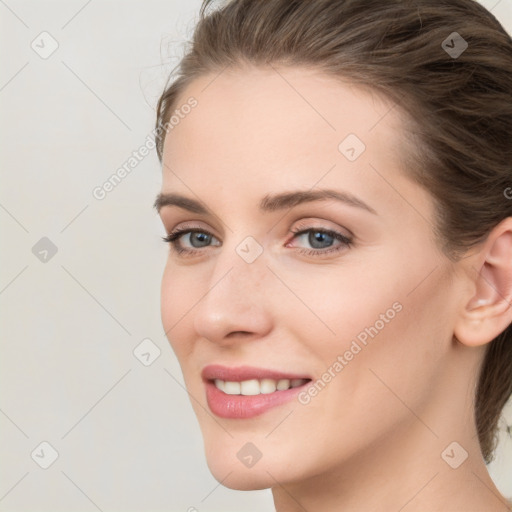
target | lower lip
x=242, y=406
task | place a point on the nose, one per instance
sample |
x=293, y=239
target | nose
x=236, y=301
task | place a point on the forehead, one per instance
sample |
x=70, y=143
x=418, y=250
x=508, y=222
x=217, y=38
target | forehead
x=276, y=127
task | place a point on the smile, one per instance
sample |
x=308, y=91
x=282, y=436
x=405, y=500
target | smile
x=244, y=392
x=257, y=387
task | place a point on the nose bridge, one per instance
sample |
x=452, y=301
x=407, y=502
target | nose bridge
x=240, y=267
x=236, y=298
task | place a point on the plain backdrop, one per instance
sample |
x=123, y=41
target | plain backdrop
x=80, y=276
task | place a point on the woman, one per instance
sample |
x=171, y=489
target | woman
x=338, y=286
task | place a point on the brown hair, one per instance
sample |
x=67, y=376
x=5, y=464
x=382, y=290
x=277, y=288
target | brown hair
x=459, y=106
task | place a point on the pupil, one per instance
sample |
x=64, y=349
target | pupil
x=201, y=237
x=319, y=237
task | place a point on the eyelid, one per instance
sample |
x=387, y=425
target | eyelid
x=344, y=242
x=306, y=223
x=190, y=224
x=310, y=223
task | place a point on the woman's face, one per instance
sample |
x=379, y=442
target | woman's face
x=365, y=313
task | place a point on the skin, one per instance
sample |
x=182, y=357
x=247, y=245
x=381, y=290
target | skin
x=373, y=437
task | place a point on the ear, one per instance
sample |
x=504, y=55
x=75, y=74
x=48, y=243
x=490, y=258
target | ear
x=488, y=312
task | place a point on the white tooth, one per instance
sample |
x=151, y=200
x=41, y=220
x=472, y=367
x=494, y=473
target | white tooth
x=256, y=387
x=232, y=388
x=250, y=387
x=283, y=384
x=267, y=386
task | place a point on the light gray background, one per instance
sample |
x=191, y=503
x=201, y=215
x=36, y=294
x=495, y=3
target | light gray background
x=126, y=436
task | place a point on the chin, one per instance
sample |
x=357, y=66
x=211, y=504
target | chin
x=228, y=469
x=277, y=465
x=247, y=482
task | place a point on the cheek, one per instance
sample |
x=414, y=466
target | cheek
x=393, y=342
x=178, y=296
x=332, y=305
x=373, y=295
x=387, y=318
x=392, y=348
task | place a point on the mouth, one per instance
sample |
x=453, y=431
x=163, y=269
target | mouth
x=257, y=387
x=245, y=392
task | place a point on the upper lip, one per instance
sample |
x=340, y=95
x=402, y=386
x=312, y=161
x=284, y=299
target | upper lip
x=241, y=373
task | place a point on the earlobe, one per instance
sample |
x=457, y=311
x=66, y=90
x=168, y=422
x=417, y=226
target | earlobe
x=488, y=312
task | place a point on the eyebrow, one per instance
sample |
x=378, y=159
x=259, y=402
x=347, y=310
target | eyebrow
x=269, y=203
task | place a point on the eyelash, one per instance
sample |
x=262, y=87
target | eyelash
x=172, y=239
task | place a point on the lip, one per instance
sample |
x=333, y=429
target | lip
x=240, y=373
x=241, y=406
